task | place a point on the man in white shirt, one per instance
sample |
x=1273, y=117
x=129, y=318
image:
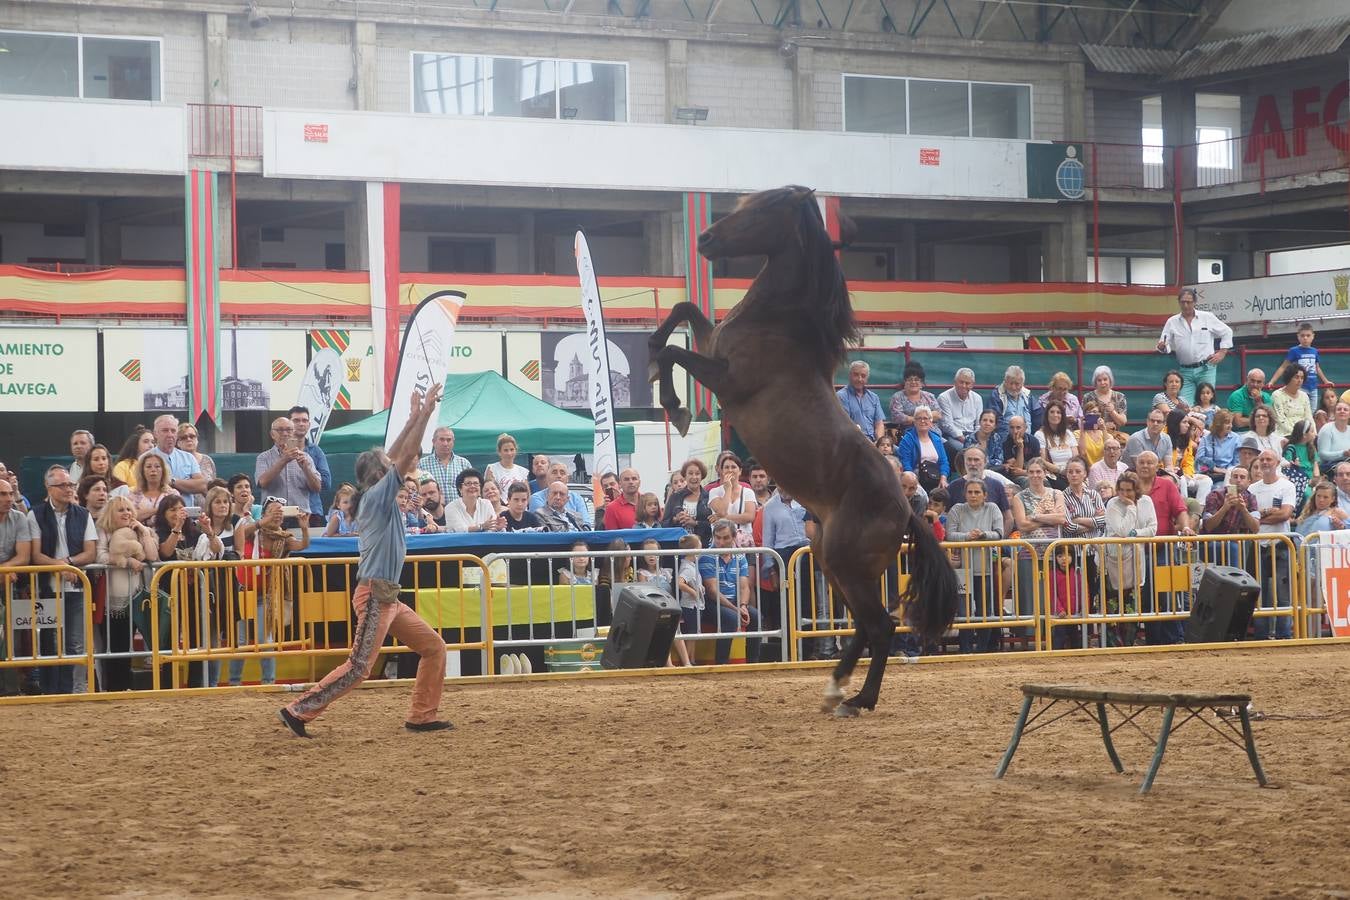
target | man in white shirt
x=185, y=473
x=960, y=407
x=1274, y=508
x=1190, y=337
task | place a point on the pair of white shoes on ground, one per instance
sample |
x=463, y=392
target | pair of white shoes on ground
x=514, y=664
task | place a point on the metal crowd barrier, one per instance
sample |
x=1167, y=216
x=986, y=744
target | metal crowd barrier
x=268, y=609
x=1098, y=592
x=37, y=631
x=551, y=619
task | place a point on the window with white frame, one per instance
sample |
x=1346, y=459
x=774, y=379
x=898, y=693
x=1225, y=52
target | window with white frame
x=1214, y=147
x=925, y=106
x=519, y=87
x=81, y=66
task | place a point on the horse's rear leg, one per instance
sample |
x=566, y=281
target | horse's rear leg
x=864, y=599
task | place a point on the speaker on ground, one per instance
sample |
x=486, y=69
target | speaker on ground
x=644, y=625
x=1223, y=606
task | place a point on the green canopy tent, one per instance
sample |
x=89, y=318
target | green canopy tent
x=480, y=407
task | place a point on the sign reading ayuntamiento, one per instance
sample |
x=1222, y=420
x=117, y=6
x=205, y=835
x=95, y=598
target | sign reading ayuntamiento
x=48, y=368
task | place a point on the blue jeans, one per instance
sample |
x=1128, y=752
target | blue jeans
x=268, y=664
x=66, y=679
x=729, y=621
x=1191, y=378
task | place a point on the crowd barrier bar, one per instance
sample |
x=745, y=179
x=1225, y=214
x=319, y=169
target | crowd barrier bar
x=982, y=604
x=298, y=592
x=1160, y=578
x=36, y=658
x=755, y=558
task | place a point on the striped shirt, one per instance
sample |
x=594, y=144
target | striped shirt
x=1087, y=504
x=445, y=474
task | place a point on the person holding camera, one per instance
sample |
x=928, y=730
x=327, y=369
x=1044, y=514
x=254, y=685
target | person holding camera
x=285, y=470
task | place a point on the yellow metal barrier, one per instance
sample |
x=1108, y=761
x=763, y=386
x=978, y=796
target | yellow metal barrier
x=286, y=609
x=16, y=580
x=1111, y=586
x=999, y=587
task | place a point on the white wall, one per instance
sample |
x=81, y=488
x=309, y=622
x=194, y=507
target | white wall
x=522, y=152
x=91, y=136
x=1312, y=259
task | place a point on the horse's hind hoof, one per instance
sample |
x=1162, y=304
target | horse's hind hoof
x=834, y=695
x=845, y=711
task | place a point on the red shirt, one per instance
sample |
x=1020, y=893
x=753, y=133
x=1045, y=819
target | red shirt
x=619, y=513
x=1167, y=503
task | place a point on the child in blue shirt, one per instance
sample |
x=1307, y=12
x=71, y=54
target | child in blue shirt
x=1303, y=355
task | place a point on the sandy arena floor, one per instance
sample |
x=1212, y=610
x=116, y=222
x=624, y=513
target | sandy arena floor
x=720, y=786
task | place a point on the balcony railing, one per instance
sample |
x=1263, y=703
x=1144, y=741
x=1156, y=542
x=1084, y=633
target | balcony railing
x=222, y=131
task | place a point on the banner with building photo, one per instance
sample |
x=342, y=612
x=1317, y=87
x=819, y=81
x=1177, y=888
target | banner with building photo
x=1278, y=298
x=146, y=369
x=46, y=369
x=563, y=374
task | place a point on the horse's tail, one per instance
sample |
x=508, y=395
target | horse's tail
x=931, y=592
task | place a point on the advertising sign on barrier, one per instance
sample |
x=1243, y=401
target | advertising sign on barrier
x=1333, y=579
x=23, y=612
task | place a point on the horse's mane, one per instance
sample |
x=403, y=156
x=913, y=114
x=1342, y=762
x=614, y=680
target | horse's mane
x=827, y=301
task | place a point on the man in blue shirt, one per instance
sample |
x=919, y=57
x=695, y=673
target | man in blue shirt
x=726, y=579
x=185, y=473
x=576, y=504
x=300, y=419
x=383, y=545
x=862, y=406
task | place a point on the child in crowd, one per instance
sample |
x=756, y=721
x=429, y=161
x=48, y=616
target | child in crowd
x=340, y=521
x=1303, y=355
x=1066, y=598
x=690, y=588
x=650, y=571
x=1302, y=452
x=936, y=513
x=578, y=568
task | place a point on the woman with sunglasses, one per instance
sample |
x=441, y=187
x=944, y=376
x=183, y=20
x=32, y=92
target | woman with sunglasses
x=383, y=545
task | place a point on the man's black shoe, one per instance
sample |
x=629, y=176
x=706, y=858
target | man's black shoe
x=428, y=726
x=296, y=726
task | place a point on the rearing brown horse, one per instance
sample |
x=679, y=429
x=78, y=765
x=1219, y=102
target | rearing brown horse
x=771, y=364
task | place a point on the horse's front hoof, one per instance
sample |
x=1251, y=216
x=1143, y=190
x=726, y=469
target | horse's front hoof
x=681, y=421
x=844, y=711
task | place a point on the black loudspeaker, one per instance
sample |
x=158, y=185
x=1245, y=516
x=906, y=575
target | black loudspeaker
x=644, y=625
x=1223, y=606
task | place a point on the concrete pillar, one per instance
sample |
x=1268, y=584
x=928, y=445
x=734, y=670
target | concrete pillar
x=363, y=55
x=1075, y=229
x=217, y=68
x=93, y=251
x=1075, y=103
x=907, y=253
x=677, y=76
x=1190, y=259
x=804, y=88
x=525, y=235
x=662, y=234
x=224, y=223
x=1178, y=122
x=354, y=231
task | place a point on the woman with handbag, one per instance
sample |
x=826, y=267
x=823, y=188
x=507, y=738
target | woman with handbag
x=265, y=539
x=924, y=454
x=126, y=577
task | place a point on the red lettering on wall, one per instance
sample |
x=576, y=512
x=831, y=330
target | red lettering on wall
x=1304, y=116
x=1267, y=131
x=1338, y=135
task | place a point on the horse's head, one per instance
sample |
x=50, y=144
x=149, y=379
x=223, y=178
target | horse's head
x=763, y=224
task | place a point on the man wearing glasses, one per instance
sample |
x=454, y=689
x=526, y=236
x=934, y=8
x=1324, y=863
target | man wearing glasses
x=286, y=470
x=65, y=537
x=1152, y=437
x=1191, y=336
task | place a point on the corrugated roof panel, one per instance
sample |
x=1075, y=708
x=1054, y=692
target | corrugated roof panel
x=1263, y=48
x=1130, y=60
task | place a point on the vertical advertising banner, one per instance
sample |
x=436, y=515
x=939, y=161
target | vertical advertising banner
x=600, y=391
x=423, y=360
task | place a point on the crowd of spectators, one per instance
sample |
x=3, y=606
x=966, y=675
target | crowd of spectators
x=1270, y=457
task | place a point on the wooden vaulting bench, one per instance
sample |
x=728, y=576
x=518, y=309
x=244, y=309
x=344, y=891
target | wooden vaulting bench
x=1094, y=701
